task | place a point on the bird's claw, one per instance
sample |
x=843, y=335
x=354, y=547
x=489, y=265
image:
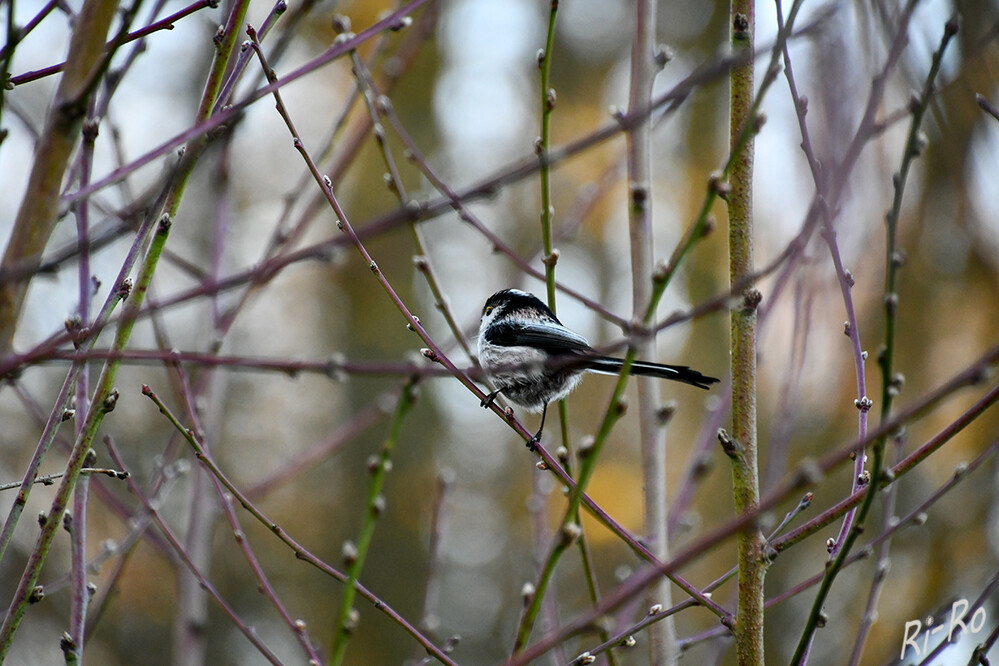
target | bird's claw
x=488, y=400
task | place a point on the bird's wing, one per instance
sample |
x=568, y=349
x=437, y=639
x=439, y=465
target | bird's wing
x=543, y=335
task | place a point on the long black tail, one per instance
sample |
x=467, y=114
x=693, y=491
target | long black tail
x=678, y=373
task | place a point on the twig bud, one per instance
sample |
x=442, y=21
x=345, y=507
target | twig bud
x=334, y=367
x=341, y=23
x=402, y=23
x=663, y=54
x=710, y=223
x=751, y=300
x=110, y=401
x=639, y=193
x=621, y=406
x=343, y=37
x=348, y=553
x=569, y=533
x=896, y=384
x=759, y=121
x=718, y=185
x=803, y=104
x=665, y=413
x=353, y=619
x=527, y=593
x=730, y=446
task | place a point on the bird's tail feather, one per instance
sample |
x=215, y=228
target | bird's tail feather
x=677, y=373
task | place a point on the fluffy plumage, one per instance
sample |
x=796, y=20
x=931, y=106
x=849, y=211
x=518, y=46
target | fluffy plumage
x=533, y=359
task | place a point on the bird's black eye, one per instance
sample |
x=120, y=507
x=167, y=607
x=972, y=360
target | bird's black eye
x=489, y=309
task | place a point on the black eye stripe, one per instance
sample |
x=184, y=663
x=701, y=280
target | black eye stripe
x=512, y=299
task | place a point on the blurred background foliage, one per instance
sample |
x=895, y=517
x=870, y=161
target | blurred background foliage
x=468, y=94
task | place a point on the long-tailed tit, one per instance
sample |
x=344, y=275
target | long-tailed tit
x=532, y=359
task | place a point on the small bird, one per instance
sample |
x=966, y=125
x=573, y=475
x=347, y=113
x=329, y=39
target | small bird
x=532, y=359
